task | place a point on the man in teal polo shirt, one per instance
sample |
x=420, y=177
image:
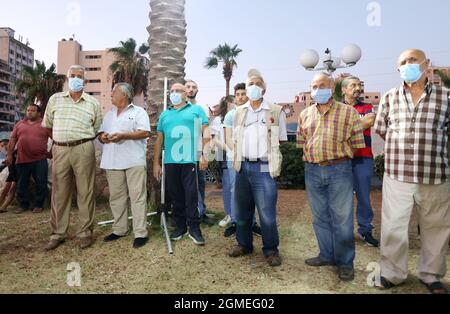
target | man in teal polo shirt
x=180, y=129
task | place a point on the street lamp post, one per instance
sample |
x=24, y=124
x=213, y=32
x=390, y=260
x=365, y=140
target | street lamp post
x=350, y=55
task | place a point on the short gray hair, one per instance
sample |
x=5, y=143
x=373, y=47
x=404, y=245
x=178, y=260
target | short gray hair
x=346, y=81
x=77, y=68
x=127, y=89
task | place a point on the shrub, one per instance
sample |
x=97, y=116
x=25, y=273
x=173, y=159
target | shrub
x=293, y=168
x=379, y=166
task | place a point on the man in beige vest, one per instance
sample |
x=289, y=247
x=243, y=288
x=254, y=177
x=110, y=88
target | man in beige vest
x=259, y=128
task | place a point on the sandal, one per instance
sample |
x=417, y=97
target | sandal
x=386, y=284
x=436, y=287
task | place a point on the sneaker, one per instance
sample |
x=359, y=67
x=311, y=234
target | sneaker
x=196, y=236
x=20, y=210
x=38, y=210
x=225, y=222
x=230, y=231
x=256, y=230
x=206, y=220
x=369, y=239
x=178, y=234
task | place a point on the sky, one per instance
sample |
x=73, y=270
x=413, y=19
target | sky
x=271, y=33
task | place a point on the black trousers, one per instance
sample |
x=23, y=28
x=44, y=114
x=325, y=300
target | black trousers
x=182, y=187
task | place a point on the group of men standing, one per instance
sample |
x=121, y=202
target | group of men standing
x=336, y=141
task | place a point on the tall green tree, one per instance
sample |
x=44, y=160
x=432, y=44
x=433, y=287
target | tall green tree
x=226, y=55
x=38, y=84
x=131, y=65
x=445, y=78
x=167, y=43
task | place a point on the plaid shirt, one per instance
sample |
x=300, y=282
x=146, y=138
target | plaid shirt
x=416, y=149
x=72, y=121
x=333, y=135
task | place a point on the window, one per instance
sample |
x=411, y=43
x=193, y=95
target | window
x=95, y=93
x=376, y=97
x=93, y=57
x=11, y=51
x=93, y=69
x=94, y=81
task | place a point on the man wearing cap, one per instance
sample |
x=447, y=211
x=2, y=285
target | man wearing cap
x=259, y=128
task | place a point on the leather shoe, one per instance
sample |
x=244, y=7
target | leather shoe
x=239, y=251
x=274, y=260
x=346, y=273
x=53, y=244
x=139, y=242
x=318, y=262
x=86, y=242
x=112, y=237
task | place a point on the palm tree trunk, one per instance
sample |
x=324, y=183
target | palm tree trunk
x=227, y=93
x=167, y=41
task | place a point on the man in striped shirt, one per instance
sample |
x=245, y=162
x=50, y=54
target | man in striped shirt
x=74, y=119
x=414, y=121
x=329, y=133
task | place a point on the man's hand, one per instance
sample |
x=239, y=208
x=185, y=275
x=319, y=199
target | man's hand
x=368, y=120
x=203, y=164
x=116, y=138
x=8, y=160
x=104, y=138
x=157, y=171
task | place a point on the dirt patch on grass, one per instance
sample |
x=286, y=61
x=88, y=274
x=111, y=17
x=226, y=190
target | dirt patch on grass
x=118, y=268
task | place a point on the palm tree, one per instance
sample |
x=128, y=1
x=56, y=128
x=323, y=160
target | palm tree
x=445, y=78
x=38, y=84
x=131, y=66
x=227, y=55
x=167, y=47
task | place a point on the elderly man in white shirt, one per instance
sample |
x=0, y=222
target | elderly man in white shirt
x=259, y=128
x=125, y=130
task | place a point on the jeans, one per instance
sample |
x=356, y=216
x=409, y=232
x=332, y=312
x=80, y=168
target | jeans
x=229, y=187
x=362, y=182
x=228, y=182
x=255, y=186
x=39, y=171
x=201, y=192
x=330, y=194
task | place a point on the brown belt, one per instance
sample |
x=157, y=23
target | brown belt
x=333, y=162
x=74, y=143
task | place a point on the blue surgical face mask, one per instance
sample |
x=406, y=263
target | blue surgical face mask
x=322, y=96
x=76, y=84
x=176, y=99
x=410, y=73
x=254, y=92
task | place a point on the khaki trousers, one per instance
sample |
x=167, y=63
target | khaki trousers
x=433, y=208
x=124, y=185
x=69, y=164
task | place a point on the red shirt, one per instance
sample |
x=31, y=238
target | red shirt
x=32, y=141
x=363, y=110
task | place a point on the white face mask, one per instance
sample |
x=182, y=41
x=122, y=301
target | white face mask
x=254, y=92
